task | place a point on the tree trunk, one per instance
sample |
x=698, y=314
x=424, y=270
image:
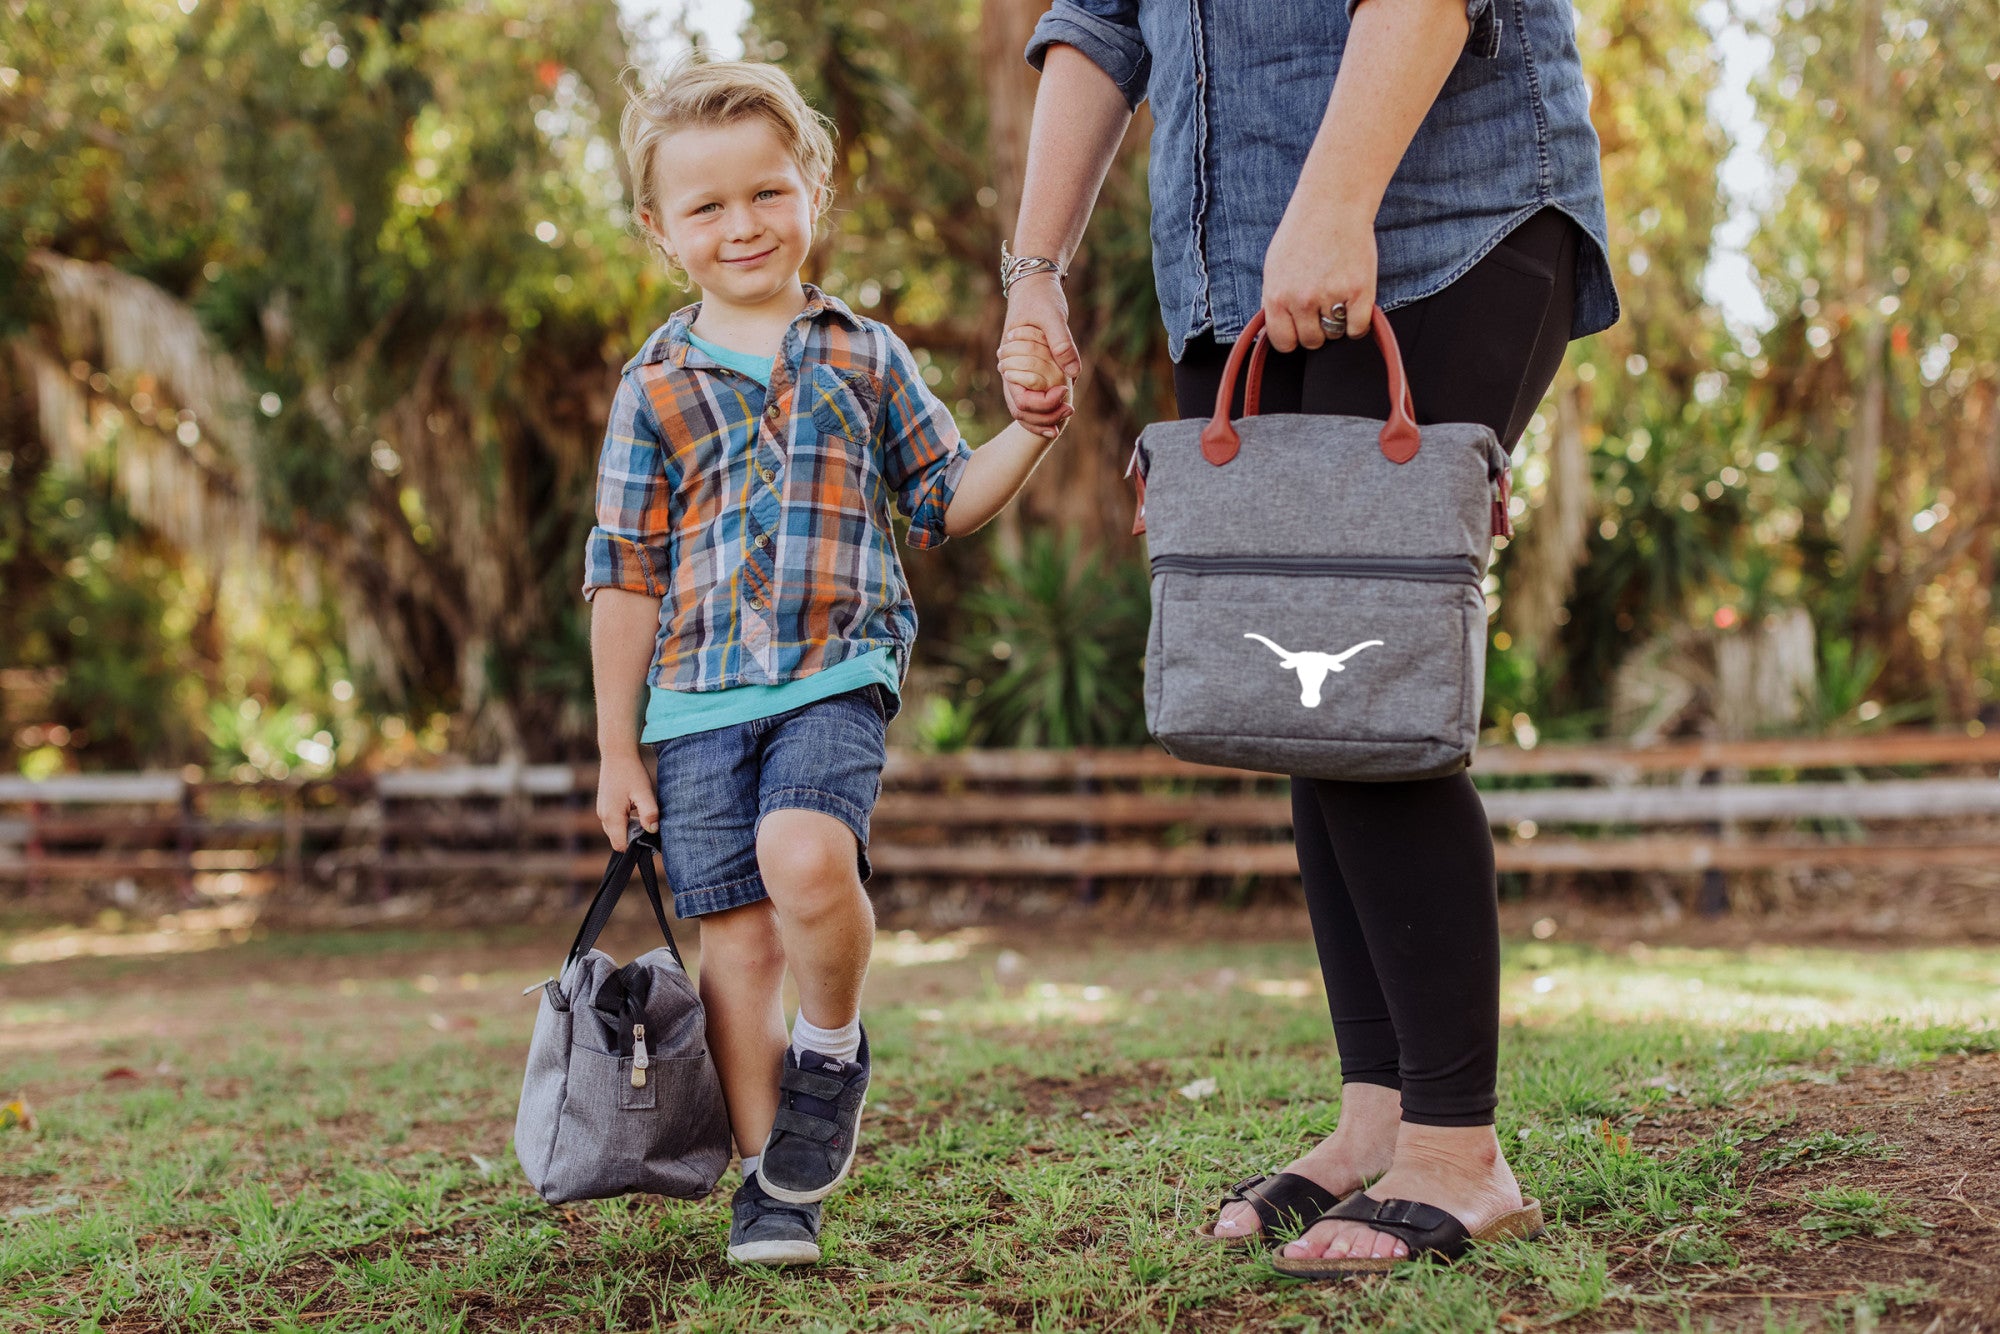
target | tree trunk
x=1004, y=28
x=1542, y=565
x=1864, y=450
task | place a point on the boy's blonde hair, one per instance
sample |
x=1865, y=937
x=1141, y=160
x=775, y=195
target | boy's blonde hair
x=696, y=91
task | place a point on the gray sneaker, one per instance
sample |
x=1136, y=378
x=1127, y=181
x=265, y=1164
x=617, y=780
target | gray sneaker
x=764, y=1231
x=819, y=1114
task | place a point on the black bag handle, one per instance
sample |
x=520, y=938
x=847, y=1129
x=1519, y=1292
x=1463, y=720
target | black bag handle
x=639, y=850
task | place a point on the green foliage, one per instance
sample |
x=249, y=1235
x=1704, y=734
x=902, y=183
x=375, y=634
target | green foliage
x=1055, y=648
x=404, y=223
x=1839, y=1212
x=1824, y=1146
x=945, y=724
x=1876, y=257
x=90, y=606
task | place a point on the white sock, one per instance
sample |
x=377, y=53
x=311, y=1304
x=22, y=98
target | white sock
x=750, y=1165
x=843, y=1043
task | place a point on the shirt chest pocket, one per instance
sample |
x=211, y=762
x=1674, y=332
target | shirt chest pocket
x=844, y=403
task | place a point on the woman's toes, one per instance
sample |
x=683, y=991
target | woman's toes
x=1238, y=1220
x=1312, y=1245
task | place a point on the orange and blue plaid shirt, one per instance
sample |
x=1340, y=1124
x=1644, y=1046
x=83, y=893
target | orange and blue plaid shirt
x=761, y=518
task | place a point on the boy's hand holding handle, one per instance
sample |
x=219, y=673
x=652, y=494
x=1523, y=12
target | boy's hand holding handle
x=625, y=796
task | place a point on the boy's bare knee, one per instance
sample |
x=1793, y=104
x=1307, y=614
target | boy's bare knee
x=809, y=863
x=743, y=942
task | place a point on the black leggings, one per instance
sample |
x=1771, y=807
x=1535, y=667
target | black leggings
x=1399, y=876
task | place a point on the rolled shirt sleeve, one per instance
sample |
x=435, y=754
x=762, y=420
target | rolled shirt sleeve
x=1107, y=32
x=1483, y=40
x=629, y=547
x=923, y=455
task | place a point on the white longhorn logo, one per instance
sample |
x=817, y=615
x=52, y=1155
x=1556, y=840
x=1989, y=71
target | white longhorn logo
x=1313, y=667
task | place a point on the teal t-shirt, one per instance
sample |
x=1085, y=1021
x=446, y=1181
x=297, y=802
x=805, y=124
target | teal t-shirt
x=674, y=713
x=757, y=368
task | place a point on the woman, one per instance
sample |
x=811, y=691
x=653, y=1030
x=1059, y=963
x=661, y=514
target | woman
x=1312, y=158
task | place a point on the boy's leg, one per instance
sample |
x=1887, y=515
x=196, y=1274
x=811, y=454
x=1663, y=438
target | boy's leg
x=822, y=773
x=742, y=989
x=742, y=980
x=827, y=924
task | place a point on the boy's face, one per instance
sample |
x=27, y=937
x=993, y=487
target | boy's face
x=735, y=209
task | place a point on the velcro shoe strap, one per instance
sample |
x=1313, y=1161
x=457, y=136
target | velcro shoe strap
x=798, y=1123
x=748, y=1212
x=813, y=1083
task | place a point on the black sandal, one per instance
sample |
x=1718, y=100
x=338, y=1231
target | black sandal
x=1280, y=1200
x=1424, y=1228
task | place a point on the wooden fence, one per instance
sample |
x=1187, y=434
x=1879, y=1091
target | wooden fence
x=1891, y=800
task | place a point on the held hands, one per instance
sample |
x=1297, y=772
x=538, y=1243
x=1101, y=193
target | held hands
x=1034, y=377
x=624, y=793
x=1320, y=257
x=1038, y=309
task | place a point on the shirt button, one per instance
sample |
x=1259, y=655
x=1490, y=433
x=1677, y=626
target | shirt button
x=764, y=473
x=757, y=602
x=762, y=541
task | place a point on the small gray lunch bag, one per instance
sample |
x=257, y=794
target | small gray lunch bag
x=620, y=1094
x=1317, y=607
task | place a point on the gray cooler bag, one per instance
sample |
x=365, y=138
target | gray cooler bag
x=620, y=1094
x=1317, y=607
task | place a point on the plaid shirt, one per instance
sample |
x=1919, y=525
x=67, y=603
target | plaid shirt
x=762, y=519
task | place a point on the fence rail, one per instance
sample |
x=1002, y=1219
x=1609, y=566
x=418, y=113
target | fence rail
x=1891, y=800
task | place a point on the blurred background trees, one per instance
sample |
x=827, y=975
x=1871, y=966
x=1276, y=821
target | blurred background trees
x=312, y=312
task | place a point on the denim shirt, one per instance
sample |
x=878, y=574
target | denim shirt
x=1239, y=90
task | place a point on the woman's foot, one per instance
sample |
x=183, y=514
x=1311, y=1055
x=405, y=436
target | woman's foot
x=1459, y=1169
x=1359, y=1149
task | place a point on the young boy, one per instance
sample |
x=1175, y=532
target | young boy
x=744, y=579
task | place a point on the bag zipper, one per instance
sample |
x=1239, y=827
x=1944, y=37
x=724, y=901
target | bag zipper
x=1416, y=569
x=639, y=1058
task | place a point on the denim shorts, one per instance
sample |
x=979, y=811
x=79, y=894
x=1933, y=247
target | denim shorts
x=716, y=787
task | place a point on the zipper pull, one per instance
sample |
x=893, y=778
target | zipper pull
x=1137, y=475
x=529, y=991
x=640, y=1061
x=1503, y=494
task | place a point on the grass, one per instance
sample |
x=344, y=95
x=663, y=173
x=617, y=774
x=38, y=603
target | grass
x=312, y=1134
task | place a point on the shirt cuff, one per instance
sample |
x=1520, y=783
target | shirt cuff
x=1483, y=40
x=1117, y=50
x=611, y=561
x=927, y=519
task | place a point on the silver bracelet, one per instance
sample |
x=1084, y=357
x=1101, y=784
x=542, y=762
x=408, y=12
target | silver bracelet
x=1015, y=267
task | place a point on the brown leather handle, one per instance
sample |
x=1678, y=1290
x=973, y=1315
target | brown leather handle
x=1400, y=436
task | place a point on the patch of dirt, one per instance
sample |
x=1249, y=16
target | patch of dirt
x=20, y=1190
x=1940, y=1124
x=1046, y=1095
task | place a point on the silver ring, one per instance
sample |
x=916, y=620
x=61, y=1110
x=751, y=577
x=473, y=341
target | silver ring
x=1333, y=323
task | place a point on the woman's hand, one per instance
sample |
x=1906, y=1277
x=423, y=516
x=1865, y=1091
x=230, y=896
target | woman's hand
x=1322, y=255
x=1026, y=362
x=1037, y=304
